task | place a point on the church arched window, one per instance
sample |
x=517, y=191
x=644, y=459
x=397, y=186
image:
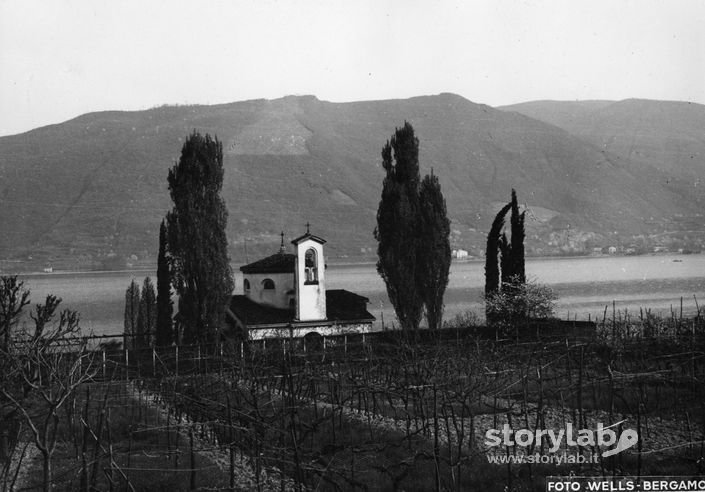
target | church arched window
x=268, y=284
x=311, y=266
x=246, y=285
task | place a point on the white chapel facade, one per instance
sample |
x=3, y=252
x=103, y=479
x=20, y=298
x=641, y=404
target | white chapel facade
x=285, y=295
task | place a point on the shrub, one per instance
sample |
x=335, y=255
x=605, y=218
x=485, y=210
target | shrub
x=517, y=303
x=466, y=319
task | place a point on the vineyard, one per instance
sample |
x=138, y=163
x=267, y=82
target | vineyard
x=387, y=412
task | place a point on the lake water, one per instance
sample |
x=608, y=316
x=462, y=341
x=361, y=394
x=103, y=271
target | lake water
x=585, y=286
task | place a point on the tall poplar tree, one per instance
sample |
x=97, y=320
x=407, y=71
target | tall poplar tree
x=196, y=236
x=397, y=230
x=164, y=331
x=413, y=234
x=435, y=251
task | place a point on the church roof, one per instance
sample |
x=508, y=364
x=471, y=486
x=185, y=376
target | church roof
x=276, y=263
x=310, y=236
x=251, y=313
x=341, y=306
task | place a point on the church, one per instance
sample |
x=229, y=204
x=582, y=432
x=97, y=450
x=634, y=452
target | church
x=284, y=295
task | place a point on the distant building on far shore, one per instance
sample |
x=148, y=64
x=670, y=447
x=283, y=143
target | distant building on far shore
x=460, y=254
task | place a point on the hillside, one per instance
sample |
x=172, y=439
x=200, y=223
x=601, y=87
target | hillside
x=665, y=140
x=90, y=192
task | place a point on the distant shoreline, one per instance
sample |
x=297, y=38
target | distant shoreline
x=345, y=264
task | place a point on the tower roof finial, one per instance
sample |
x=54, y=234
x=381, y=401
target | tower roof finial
x=281, y=247
x=308, y=227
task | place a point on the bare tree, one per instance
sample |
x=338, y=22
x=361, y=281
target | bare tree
x=44, y=369
x=13, y=298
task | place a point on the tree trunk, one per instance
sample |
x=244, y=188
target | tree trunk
x=47, y=471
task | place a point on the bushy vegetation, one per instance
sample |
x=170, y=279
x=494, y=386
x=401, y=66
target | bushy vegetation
x=514, y=307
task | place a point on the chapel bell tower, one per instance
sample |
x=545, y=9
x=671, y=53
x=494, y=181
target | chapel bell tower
x=310, y=277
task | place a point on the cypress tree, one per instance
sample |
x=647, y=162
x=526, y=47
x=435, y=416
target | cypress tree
x=506, y=264
x=434, y=249
x=147, y=315
x=492, y=279
x=397, y=230
x=132, y=307
x=164, y=330
x=197, y=241
x=518, y=273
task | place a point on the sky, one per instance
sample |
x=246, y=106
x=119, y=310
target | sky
x=63, y=58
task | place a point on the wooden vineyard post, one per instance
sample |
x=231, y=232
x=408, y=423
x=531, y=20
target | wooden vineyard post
x=177, y=426
x=581, y=414
x=638, y=431
x=129, y=455
x=193, y=459
x=221, y=360
x=4, y=443
x=230, y=444
x=436, y=446
x=109, y=471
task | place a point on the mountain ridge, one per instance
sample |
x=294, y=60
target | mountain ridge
x=288, y=161
x=662, y=140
